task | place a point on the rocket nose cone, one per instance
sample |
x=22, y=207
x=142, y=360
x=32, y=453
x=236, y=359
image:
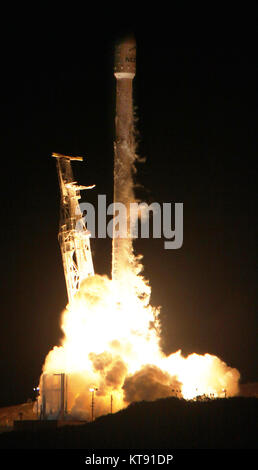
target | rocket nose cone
x=125, y=56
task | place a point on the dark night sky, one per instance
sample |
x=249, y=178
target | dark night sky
x=196, y=111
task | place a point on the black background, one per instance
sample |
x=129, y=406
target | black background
x=196, y=109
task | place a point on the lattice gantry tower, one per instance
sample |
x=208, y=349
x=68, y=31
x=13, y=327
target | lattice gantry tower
x=73, y=236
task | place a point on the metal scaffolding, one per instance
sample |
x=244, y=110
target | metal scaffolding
x=73, y=235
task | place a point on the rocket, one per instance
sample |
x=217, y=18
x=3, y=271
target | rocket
x=124, y=147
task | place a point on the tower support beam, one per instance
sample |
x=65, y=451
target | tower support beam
x=73, y=236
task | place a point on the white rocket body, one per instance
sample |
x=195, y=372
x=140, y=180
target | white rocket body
x=124, y=149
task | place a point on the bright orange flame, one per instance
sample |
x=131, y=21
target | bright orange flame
x=111, y=340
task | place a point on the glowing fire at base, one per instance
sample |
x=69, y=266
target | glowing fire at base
x=112, y=344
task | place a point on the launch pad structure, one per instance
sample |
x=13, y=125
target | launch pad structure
x=73, y=236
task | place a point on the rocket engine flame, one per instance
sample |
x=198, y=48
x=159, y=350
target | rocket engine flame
x=106, y=338
x=113, y=344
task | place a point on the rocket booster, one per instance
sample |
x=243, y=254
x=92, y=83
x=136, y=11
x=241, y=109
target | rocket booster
x=124, y=147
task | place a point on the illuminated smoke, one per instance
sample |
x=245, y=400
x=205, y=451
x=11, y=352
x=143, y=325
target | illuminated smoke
x=150, y=383
x=113, y=345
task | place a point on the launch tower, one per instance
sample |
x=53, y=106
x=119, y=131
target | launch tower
x=73, y=235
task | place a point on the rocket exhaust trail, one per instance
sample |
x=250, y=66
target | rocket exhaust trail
x=124, y=152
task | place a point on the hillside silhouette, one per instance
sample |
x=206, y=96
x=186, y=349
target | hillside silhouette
x=163, y=424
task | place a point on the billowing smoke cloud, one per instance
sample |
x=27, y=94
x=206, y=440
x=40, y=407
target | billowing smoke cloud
x=100, y=361
x=116, y=374
x=112, y=369
x=149, y=383
x=110, y=344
